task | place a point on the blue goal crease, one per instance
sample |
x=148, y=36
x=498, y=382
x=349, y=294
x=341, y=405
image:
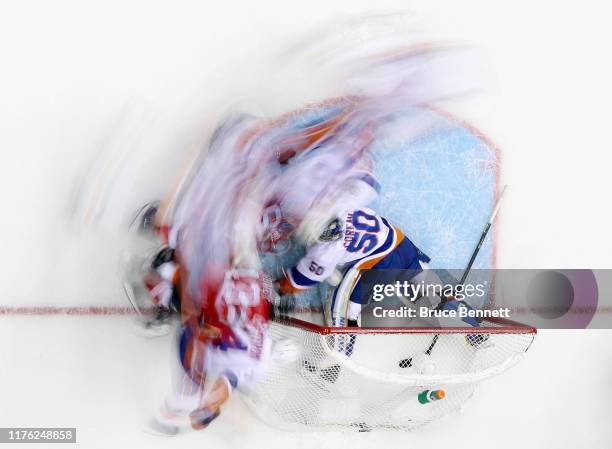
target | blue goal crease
x=439, y=188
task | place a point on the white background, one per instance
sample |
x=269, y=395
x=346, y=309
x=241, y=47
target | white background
x=68, y=70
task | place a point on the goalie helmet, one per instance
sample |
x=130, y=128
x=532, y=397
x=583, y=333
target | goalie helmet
x=333, y=231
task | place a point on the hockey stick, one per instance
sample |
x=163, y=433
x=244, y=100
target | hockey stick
x=406, y=363
x=482, y=237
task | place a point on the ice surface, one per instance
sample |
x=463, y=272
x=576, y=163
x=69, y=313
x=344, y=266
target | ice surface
x=66, y=371
x=68, y=71
x=439, y=187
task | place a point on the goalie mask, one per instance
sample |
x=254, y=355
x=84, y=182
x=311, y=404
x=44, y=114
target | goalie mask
x=333, y=231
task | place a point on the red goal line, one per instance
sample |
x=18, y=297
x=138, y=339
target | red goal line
x=66, y=310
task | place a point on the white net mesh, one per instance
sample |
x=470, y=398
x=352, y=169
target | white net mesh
x=320, y=379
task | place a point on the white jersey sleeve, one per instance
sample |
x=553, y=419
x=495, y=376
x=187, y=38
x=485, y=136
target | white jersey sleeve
x=318, y=264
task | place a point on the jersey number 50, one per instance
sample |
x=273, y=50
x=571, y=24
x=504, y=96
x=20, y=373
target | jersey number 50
x=365, y=240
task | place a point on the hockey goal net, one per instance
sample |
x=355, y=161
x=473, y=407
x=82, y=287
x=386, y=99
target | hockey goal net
x=323, y=378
